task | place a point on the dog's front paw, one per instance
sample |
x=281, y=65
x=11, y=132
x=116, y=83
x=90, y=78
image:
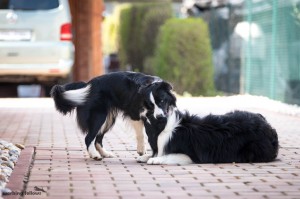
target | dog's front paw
x=143, y=158
x=156, y=160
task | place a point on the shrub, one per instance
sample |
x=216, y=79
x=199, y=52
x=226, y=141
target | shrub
x=184, y=57
x=124, y=36
x=139, y=25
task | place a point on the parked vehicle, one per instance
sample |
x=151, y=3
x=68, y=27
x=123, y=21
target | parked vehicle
x=35, y=40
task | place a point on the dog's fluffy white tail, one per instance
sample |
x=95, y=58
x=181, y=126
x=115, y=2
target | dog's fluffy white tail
x=69, y=96
x=77, y=96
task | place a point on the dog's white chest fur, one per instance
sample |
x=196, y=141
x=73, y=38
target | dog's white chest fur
x=166, y=134
x=164, y=137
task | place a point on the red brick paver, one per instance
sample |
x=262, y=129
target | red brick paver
x=19, y=177
x=62, y=169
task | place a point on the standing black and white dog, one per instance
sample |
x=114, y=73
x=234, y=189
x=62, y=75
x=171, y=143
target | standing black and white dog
x=238, y=136
x=99, y=101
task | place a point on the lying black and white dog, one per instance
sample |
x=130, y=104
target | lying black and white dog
x=238, y=136
x=99, y=101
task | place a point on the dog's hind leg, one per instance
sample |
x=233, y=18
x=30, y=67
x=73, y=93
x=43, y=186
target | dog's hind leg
x=90, y=144
x=106, y=126
x=101, y=149
x=138, y=127
x=96, y=122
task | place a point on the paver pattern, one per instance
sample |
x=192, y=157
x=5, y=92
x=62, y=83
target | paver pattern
x=61, y=167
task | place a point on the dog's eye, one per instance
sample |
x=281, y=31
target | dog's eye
x=162, y=101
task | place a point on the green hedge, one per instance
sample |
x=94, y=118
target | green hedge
x=124, y=35
x=184, y=56
x=139, y=25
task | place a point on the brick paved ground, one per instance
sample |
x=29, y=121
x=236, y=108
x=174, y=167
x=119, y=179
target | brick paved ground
x=62, y=168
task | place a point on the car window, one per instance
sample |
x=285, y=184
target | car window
x=29, y=4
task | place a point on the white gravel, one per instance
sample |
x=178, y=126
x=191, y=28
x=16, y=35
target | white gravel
x=9, y=154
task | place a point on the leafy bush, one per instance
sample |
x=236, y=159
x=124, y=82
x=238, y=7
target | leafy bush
x=184, y=57
x=124, y=36
x=139, y=25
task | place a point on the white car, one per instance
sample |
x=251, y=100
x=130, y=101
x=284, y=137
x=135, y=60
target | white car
x=35, y=40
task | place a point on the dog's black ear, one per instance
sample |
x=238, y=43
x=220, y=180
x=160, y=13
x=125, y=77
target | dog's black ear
x=161, y=85
x=166, y=85
x=144, y=85
x=168, y=88
x=173, y=98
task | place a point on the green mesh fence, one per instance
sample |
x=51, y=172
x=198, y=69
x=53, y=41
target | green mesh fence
x=271, y=50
